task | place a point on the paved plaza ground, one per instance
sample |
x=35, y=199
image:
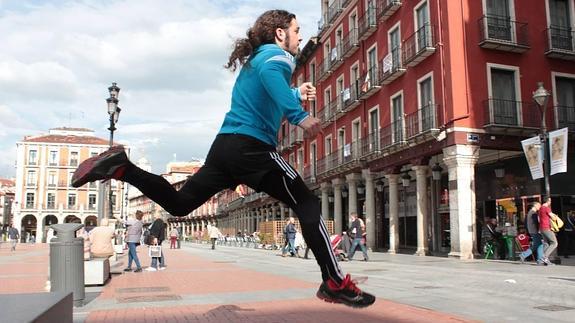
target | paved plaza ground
x=237, y=284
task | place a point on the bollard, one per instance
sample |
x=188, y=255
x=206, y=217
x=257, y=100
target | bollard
x=67, y=261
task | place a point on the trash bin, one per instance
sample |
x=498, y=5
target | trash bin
x=67, y=261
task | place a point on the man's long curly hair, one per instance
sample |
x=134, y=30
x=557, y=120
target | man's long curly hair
x=262, y=32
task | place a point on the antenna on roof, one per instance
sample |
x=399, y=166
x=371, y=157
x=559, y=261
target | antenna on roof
x=175, y=159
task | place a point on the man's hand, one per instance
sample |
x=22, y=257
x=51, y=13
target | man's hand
x=307, y=91
x=312, y=127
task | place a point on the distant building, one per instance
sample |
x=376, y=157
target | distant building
x=43, y=193
x=7, y=187
x=176, y=174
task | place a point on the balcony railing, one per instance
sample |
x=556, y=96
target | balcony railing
x=328, y=113
x=392, y=66
x=350, y=43
x=309, y=174
x=370, y=144
x=336, y=57
x=342, y=157
x=368, y=23
x=296, y=136
x=560, y=43
x=421, y=121
x=508, y=114
x=386, y=8
x=370, y=83
x=323, y=69
x=284, y=143
x=502, y=33
x=351, y=96
x=419, y=45
x=565, y=117
x=333, y=11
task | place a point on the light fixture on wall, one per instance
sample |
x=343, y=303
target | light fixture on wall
x=360, y=189
x=379, y=186
x=405, y=180
x=330, y=199
x=344, y=191
x=499, y=167
x=29, y=221
x=436, y=172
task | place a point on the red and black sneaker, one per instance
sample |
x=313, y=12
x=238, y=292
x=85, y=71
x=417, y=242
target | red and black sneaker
x=109, y=164
x=345, y=293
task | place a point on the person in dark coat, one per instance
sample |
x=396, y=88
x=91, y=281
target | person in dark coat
x=158, y=230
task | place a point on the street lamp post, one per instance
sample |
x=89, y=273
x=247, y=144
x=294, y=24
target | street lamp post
x=541, y=96
x=114, y=114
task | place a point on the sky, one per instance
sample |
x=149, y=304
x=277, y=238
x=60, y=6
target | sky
x=58, y=58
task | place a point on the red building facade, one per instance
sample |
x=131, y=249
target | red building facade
x=420, y=101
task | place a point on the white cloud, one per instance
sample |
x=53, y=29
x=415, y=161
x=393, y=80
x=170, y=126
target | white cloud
x=59, y=57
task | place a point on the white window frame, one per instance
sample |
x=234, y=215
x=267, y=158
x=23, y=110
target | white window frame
x=392, y=122
x=421, y=104
x=511, y=17
x=554, y=75
x=517, y=73
x=56, y=160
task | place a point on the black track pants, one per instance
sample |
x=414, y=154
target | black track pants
x=239, y=159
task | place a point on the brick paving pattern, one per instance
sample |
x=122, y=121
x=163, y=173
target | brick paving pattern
x=197, y=289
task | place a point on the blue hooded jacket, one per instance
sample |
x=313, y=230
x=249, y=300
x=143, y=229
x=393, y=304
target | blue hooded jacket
x=262, y=96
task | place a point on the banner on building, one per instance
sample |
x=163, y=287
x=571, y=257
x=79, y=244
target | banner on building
x=532, y=150
x=558, y=150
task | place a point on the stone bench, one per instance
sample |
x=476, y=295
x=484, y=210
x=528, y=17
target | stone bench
x=40, y=307
x=96, y=271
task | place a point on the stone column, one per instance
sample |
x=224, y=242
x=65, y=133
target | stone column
x=369, y=208
x=392, y=179
x=337, y=205
x=460, y=161
x=352, y=180
x=325, y=187
x=422, y=210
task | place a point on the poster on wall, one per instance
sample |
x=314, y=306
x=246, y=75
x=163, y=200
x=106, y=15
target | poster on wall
x=558, y=150
x=532, y=150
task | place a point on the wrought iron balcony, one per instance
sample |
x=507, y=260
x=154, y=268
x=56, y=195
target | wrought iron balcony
x=560, y=43
x=371, y=144
x=327, y=115
x=351, y=97
x=369, y=83
x=511, y=117
x=324, y=69
x=419, y=45
x=386, y=8
x=502, y=33
x=565, y=117
x=393, y=134
x=333, y=11
x=392, y=66
x=296, y=136
x=309, y=174
x=284, y=145
x=367, y=23
x=341, y=159
x=350, y=43
x=422, y=121
x=336, y=57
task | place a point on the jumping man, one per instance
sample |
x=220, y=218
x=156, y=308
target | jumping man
x=244, y=151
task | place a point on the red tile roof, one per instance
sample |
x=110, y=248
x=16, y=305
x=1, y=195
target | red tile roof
x=88, y=140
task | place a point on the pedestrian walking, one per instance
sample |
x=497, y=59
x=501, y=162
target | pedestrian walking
x=545, y=216
x=358, y=235
x=158, y=231
x=134, y=227
x=13, y=236
x=244, y=151
x=536, y=248
x=214, y=234
x=289, y=234
x=173, y=238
